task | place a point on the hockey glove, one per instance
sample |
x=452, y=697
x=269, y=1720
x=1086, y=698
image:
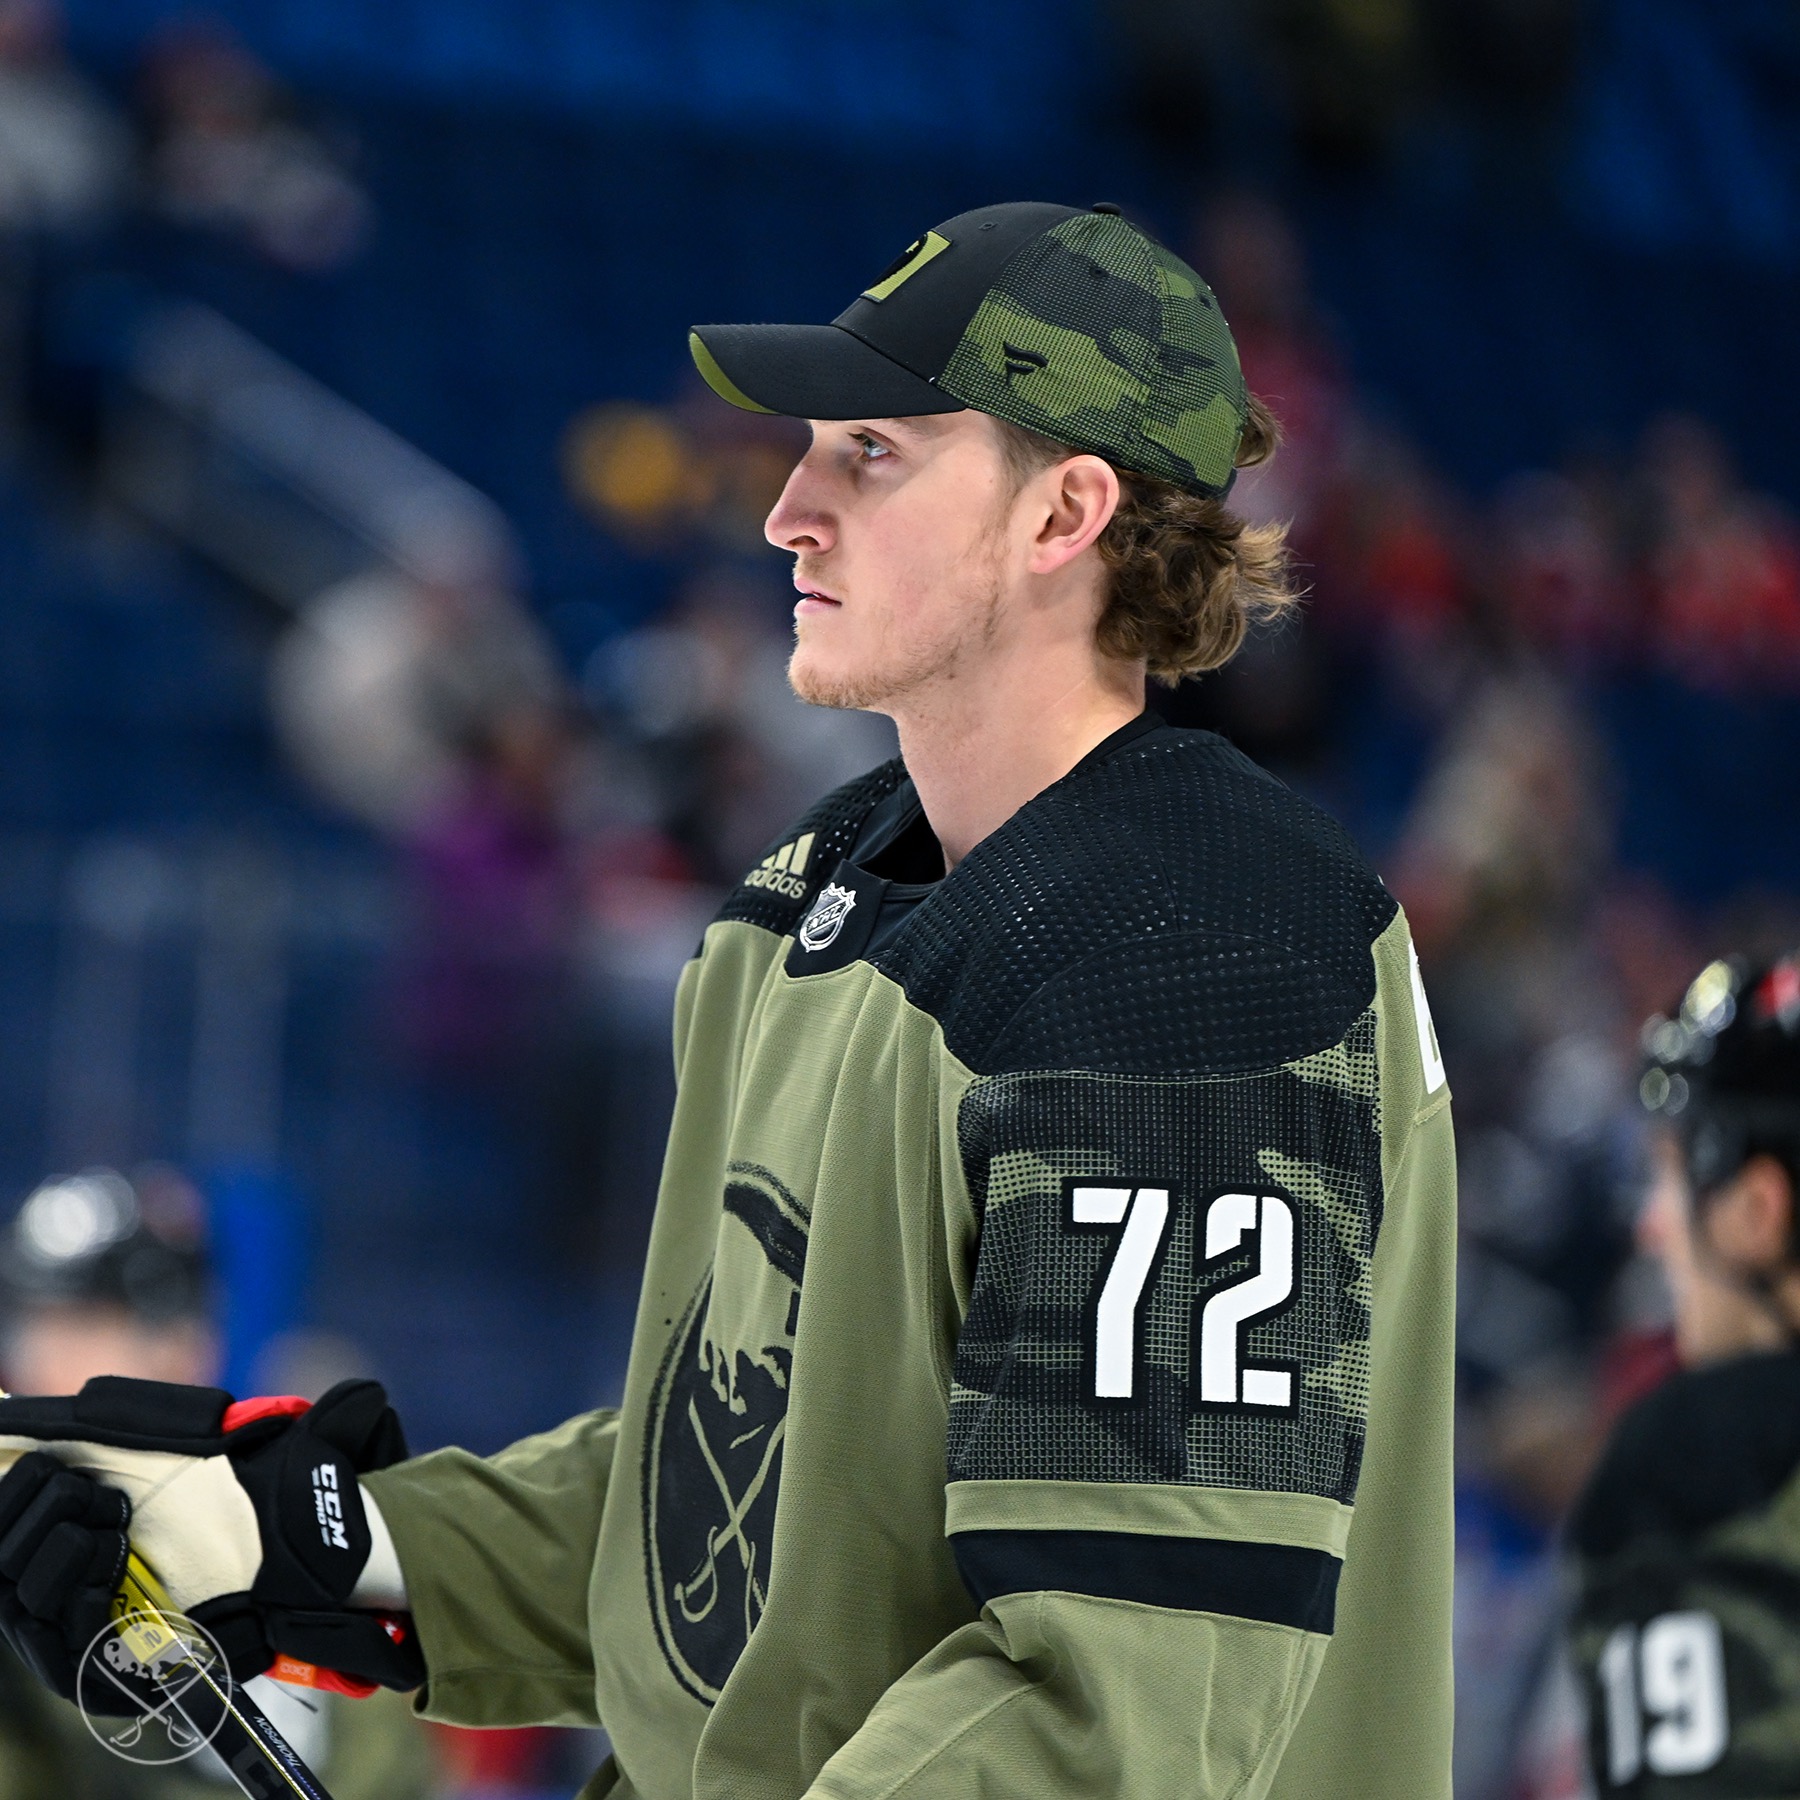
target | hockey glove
x=248, y=1512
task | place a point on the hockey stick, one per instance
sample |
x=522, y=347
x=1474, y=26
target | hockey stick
x=256, y=1756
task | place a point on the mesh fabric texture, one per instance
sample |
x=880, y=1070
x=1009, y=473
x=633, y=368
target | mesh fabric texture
x=1171, y=910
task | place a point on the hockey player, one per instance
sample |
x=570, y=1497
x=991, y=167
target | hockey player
x=1687, y=1623
x=1041, y=1380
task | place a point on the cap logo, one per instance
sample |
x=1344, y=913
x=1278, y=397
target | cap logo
x=912, y=259
x=1023, y=362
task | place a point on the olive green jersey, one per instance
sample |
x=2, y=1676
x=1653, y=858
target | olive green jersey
x=1687, y=1617
x=1041, y=1380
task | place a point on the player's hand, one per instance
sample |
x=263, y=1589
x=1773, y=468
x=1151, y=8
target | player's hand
x=248, y=1512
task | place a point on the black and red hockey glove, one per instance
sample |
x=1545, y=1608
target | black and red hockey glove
x=248, y=1512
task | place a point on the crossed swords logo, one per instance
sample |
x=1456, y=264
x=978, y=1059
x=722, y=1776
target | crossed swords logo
x=699, y=1594
x=174, y=1671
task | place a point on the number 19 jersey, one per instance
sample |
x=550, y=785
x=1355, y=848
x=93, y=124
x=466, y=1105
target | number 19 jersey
x=1686, y=1626
x=1042, y=1380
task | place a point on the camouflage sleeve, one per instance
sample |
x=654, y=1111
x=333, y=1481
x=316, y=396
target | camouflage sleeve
x=1186, y=1292
x=497, y=1553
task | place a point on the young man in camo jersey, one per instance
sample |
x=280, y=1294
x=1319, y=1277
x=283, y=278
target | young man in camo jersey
x=1041, y=1382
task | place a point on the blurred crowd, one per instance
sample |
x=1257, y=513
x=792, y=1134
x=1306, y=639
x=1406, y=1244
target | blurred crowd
x=1488, y=629
x=1347, y=85
x=212, y=141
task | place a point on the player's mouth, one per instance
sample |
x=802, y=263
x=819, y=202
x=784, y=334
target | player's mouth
x=813, y=600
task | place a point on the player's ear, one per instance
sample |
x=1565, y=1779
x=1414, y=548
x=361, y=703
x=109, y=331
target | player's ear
x=1081, y=495
x=1752, y=1221
x=1779, y=1202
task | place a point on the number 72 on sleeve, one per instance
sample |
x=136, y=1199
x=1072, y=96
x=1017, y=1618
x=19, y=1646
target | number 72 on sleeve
x=1140, y=1215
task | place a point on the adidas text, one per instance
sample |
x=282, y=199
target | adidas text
x=783, y=872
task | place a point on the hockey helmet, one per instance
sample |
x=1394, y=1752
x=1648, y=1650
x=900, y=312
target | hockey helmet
x=1724, y=1072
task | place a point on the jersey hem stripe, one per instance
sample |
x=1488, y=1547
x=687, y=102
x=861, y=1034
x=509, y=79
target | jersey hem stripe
x=1277, y=1584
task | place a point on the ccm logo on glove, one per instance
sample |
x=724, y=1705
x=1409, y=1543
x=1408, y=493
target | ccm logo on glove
x=330, y=1507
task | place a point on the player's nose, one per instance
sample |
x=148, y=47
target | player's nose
x=799, y=520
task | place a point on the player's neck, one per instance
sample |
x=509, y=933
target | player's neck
x=1720, y=1320
x=978, y=749
x=1787, y=1304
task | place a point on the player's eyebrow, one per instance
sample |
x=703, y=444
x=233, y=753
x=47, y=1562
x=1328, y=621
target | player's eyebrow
x=917, y=425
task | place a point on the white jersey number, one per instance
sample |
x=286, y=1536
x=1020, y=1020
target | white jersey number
x=1144, y=1212
x=1228, y=1312
x=1225, y=1380
x=1669, y=1676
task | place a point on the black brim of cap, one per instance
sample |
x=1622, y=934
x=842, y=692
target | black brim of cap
x=810, y=372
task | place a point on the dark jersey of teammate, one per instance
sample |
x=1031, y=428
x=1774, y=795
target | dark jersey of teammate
x=1041, y=1382
x=1687, y=1622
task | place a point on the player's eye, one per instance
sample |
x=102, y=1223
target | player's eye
x=869, y=449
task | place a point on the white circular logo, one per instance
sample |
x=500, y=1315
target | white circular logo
x=152, y=1686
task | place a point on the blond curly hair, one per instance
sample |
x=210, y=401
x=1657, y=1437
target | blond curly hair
x=1188, y=575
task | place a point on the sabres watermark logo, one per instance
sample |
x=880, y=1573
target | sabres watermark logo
x=151, y=1687
x=819, y=929
x=718, y=1424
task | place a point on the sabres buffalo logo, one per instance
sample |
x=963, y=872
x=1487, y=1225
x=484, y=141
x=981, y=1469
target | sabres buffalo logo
x=712, y=1466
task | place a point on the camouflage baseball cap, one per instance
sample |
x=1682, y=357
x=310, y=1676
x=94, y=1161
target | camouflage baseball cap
x=1073, y=323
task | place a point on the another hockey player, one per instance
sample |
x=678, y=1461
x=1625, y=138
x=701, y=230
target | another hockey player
x=1041, y=1382
x=1688, y=1619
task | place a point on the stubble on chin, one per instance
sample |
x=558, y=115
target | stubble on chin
x=888, y=681
x=896, y=672
x=856, y=690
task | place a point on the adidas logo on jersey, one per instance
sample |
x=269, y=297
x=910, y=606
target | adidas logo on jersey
x=783, y=872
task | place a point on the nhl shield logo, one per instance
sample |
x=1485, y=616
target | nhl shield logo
x=820, y=927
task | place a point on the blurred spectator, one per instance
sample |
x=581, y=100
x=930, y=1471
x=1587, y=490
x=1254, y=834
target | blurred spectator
x=1252, y=257
x=1509, y=833
x=430, y=703
x=494, y=895
x=732, y=754
x=1503, y=865
x=1392, y=555
x=64, y=158
x=226, y=154
x=63, y=153
x=1724, y=566
x=1562, y=571
x=100, y=1275
x=384, y=682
